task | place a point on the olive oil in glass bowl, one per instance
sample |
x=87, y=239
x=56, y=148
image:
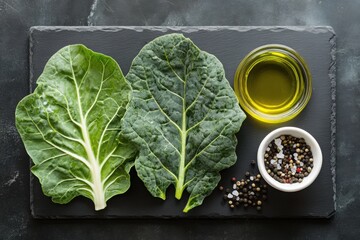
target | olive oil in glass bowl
x=273, y=83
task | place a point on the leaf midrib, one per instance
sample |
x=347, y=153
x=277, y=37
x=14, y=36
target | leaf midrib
x=98, y=190
x=183, y=134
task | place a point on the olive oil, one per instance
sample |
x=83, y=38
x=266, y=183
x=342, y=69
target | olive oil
x=273, y=83
x=272, y=86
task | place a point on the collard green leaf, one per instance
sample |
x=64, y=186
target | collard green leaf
x=183, y=115
x=70, y=126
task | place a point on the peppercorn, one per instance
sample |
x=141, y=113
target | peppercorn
x=246, y=192
x=253, y=163
x=286, y=157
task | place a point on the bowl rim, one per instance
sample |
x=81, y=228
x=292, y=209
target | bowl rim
x=305, y=76
x=315, y=148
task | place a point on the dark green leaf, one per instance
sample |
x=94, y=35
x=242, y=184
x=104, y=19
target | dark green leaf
x=183, y=116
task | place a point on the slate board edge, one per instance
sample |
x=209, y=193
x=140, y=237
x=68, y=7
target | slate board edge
x=332, y=76
x=189, y=29
x=185, y=29
x=165, y=217
x=31, y=79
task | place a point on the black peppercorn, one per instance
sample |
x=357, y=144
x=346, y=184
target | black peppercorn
x=248, y=192
x=286, y=157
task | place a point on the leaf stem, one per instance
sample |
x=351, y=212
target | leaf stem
x=98, y=189
x=183, y=134
x=180, y=182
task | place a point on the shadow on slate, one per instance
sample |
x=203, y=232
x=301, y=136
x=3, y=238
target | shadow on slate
x=230, y=45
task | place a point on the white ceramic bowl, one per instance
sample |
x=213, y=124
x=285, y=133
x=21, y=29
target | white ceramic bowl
x=315, y=149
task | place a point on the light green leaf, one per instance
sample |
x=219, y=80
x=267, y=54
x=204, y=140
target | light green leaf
x=183, y=115
x=71, y=128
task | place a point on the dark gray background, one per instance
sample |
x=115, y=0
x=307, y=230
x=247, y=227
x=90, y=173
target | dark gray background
x=16, y=16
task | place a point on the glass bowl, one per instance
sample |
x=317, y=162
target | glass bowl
x=285, y=61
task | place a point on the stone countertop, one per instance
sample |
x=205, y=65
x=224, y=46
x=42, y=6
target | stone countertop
x=16, y=16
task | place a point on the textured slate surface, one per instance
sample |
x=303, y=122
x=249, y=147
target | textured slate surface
x=230, y=45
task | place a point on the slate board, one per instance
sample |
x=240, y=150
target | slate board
x=230, y=45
